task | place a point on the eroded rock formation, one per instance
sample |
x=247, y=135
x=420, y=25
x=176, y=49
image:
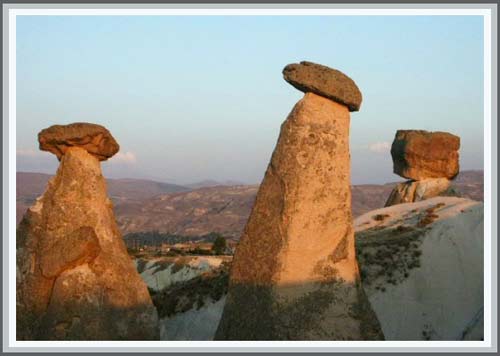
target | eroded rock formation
x=428, y=159
x=95, y=139
x=422, y=268
x=75, y=279
x=294, y=275
x=413, y=191
x=327, y=82
x=419, y=154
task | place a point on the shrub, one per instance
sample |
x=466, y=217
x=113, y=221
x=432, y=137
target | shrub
x=380, y=217
x=219, y=246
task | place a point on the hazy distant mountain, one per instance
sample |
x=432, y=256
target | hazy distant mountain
x=31, y=185
x=222, y=209
x=471, y=184
x=213, y=183
x=140, y=188
x=142, y=205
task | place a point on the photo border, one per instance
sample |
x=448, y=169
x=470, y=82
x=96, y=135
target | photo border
x=490, y=170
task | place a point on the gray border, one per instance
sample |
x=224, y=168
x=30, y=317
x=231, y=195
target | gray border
x=258, y=4
x=494, y=177
x=488, y=4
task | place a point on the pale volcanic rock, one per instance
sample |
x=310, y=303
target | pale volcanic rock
x=419, y=154
x=294, y=274
x=95, y=139
x=322, y=80
x=76, y=280
x=413, y=191
x=422, y=267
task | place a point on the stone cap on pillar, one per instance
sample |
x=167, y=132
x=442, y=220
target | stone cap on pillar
x=95, y=139
x=324, y=81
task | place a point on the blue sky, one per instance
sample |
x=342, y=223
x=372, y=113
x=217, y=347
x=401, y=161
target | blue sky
x=190, y=98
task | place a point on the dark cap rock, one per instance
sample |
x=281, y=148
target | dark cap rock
x=419, y=154
x=96, y=139
x=327, y=82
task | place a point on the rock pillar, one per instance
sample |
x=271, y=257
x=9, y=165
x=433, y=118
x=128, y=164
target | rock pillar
x=75, y=279
x=294, y=274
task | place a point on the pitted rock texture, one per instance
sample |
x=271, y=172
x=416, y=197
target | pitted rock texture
x=294, y=274
x=75, y=279
x=324, y=81
x=95, y=139
x=419, y=154
x=413, y=191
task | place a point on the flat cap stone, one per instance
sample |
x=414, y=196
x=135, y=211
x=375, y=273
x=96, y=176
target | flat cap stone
x=95, y=139
x=327, y=82
x=419, y=154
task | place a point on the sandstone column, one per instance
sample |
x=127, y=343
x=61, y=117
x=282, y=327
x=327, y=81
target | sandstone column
x=294, y=274
x=75, y=279
x=428, y=159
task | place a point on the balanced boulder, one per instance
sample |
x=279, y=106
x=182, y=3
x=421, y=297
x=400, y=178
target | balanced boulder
x=95, y=139
x=428, y=159
x=324, y=81
x=294, y=274
x=75, y=278
x=419, y=154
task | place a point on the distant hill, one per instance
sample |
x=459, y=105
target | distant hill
x=198, y=212
x=366, y=197
x=143, y=205
x=138, y=189
x=213, y=183
x=29, y=186
x=471, y=184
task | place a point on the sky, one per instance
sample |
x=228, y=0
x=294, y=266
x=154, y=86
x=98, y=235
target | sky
x=190, y=98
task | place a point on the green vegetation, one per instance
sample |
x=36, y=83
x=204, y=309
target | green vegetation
x=194, y=293
x=388, y=254
x=219, y=246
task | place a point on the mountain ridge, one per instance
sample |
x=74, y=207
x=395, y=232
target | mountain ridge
x=166, y=208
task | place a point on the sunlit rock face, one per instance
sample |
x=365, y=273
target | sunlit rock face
x=428, y=159
x=95, y=139
x=294, y=273
x=420, y=154
x=327, y=82
x=413, y=191
x=75, y=279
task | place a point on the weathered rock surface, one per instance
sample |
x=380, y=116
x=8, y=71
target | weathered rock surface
x=419, y=154
x=413, y=191
x=75, y=279
x=294, y=275
x=324, y=81
x=422, y=268
x=95, y=139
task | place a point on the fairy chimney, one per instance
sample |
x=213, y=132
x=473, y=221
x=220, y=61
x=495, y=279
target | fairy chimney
x=294, y=274
x=75, y=279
